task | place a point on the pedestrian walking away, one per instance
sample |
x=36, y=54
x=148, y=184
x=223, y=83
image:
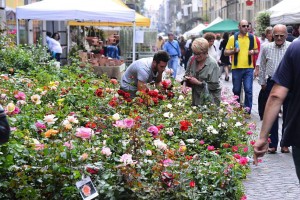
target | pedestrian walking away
x=286, y=80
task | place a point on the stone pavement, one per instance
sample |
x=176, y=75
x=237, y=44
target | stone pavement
x=275, y=178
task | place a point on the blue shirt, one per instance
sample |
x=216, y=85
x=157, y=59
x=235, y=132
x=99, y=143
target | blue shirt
x=172, y=50
x=113, y=52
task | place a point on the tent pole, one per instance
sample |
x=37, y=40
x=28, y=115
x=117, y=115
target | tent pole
x=18, y=38
x=133, y=43
x=68, y=39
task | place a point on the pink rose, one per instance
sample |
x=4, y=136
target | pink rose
x=167, y=162
x=210, y=148
x=69, y=145
x=129, y=123
x=39, y=147
x=84, y=133
x=201, y=142
x=243, y=161
x=106, y=151
x=153, y=130
x=20, y=96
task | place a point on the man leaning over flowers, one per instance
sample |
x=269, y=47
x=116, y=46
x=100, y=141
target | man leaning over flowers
x=202, y=75
x=143, y=71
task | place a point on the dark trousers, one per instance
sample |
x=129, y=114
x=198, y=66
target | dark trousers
x=296, y=157
x=284, y=110
x=274, y=130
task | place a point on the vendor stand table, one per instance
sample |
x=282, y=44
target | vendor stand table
x=110, y=71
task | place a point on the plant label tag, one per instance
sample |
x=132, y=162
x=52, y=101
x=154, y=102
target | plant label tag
x=87, y=189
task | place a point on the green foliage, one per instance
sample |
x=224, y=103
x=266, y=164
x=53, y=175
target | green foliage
x=263, y=21
x=25, y=58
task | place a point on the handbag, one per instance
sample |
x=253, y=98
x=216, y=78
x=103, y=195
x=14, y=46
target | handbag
x=4, y=127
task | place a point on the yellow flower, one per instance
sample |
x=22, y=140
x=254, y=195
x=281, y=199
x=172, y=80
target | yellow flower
x=10, y=107
x=51, y=132
x=60, y=101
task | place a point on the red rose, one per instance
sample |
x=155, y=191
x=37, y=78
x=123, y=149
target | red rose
x=184, y=125
x=170, y=95
x=192, y=184
x=99, y=92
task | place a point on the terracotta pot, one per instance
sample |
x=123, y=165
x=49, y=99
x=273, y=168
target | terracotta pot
x=103, y=61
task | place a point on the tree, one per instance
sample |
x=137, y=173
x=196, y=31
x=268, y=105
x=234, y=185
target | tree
x=263, y=21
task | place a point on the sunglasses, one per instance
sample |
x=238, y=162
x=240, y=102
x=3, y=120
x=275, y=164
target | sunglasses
x=244, y=26
x=277, y=36
x=199, y=53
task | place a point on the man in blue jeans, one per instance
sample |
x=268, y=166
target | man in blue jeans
x=286, y=80
x=241, y=47
x=173, y=49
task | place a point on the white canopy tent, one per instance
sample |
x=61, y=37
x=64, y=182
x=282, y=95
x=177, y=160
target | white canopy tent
x=285, y=12
x=87, y=10
x=195, y=31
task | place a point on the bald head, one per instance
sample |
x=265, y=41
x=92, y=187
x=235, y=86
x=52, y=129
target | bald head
x=243, y=27
x=279, y=34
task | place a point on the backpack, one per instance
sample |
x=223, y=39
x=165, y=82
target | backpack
x=251, y=46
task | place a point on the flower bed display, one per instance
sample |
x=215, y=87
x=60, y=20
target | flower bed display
x=68, y=124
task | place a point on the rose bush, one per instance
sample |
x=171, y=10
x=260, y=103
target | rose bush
x=67, y=123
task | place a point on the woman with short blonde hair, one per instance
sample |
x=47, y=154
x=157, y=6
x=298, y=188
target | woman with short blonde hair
x=202, y=75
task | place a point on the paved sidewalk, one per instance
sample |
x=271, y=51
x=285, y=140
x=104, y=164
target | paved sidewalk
x=275, y=178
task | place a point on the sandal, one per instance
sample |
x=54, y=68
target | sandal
x=271, y=150
x=285, y=150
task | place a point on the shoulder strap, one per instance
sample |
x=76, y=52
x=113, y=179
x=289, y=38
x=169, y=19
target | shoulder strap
x=251, y=46
x=174, y=47
x=236, y=36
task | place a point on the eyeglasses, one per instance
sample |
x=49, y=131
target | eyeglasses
x=277, y=36
x=244, y=26
x=199, y=53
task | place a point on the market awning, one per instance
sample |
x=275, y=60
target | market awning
x=140, y=20
x=223, y=26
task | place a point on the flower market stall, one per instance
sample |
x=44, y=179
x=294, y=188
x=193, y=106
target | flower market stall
x=64, y=10
x=69, y=126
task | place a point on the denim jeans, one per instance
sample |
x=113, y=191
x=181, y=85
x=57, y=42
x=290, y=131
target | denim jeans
x=173, y=64
x=244, y=76
x=296, y=157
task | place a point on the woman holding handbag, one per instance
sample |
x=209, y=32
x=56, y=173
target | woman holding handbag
x=202, y=75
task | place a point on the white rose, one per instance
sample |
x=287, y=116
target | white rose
x=181, y=97
x=116, y=117
x=191, y=141
x=238, y=124
x=148, y=153
x=169, y=106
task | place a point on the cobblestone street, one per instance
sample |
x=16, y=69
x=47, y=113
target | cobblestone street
x=275, y=178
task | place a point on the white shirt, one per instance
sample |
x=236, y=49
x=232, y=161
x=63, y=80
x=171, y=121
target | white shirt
x=55, y=46
x=212, y=51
